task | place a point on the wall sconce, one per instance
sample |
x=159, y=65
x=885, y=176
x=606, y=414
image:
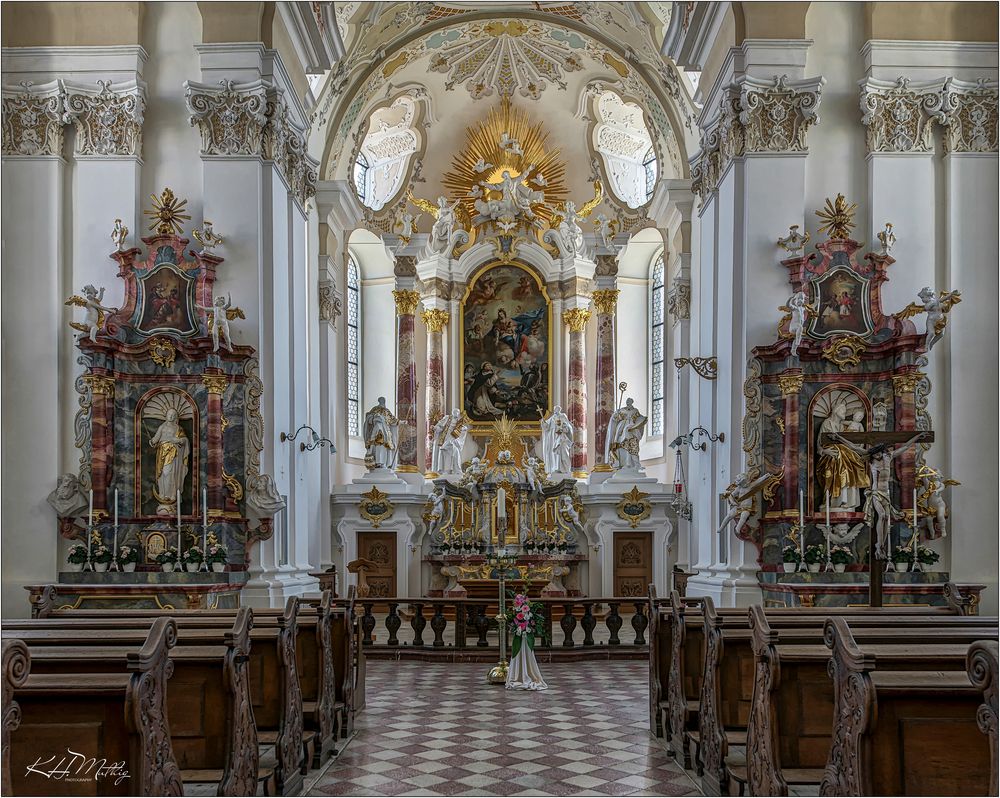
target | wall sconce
x=317, y=441
x=680, y=440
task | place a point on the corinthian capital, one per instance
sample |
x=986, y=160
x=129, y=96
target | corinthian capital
x=777, y=114
x=898, y=115
x=969, y=115
x=33, y=119
x=231, y=119
x=284, y=143
x=108, y=119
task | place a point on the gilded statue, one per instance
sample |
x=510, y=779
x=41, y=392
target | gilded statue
x=173, y=450
x=841, y=470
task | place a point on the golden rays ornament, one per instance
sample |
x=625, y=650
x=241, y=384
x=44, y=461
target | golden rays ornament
x=167, y=213
x=838, y=217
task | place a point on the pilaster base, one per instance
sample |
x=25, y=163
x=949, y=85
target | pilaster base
x=380, y=476
x=726, y=588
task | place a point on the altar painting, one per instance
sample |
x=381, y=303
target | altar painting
x=167, y=450
x=165, y=302
x=842, y=304
x=506, y=328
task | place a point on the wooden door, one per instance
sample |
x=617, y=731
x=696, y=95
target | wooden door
x=380, y=548
x=633, y=563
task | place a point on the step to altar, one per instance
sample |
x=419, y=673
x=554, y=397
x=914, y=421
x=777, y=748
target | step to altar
x=850, y=589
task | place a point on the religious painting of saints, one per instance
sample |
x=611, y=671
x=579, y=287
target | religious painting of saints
x=166, y=302
x=506, y=326
x=843, y=305
x=167, y=454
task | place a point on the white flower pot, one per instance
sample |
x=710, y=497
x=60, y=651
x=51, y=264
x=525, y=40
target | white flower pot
x=789, y=567
x=901, y=567
x=101, y=567
x=128, y=567
x=192, y=567
x=218, y=567
x=167, y=567
x=813, y=567
x=840, y=567
x=74, y=567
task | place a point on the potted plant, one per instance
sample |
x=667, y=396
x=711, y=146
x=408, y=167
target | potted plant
x=529, y=545
x=927, y=558
x=902, y=559
x=840, y=556
x=128, y=558
x=790, y=559
x=101, y=556
x=217, y=556
x=167, y=559
x=814, y=558
x=193, y=558
x=76, y=558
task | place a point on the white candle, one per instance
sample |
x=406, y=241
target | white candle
x=178, y=526
x=501, y=503
x=802, y=505
x=204, y=527
x=204, y=506
x=828, y=508
x=116, y=508
x=914, y=511
x=90, y=512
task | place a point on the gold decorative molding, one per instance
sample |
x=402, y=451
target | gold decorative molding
x=634, y=507
x=215, y=383
x=606, y=300
x=100, y=385
x=791, y=384
x=435, y=319
x=162, y=352
x=406, y=301
x=906, y=383
x=970, y=116
x=167, y=214
x=845, y=352
x=837, y=217
x=375, y=507
x=705, y=367
x=576, y=319
x=232, y=485
x=108, y=121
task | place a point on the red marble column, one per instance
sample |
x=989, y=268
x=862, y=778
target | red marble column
x=406, y=379
x=791, y=384
x=219, y=499
x=435, y=320
x=905, y=413
x=102, y=451
x=576, y=319
x=606, y=303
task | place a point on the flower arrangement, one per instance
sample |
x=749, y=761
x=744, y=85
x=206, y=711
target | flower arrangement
x=840, y=555
x=128, y=554
x=168, y=556
x=902, y=558
x=814, y=554
x=194, y=555
x=101, y=554
x=77, y=554
x=791, y=554
x=217, y=552
x=926, y=556
x=524, y=619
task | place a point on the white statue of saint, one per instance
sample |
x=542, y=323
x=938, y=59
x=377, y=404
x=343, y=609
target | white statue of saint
x=570, y=233
x=449, y=439
x=625, y=431
x=557, y=442
x=840, y=470
x=798, y=306
x=444, y=225
x=173, y=450
x=381, y=436
x=220, y=321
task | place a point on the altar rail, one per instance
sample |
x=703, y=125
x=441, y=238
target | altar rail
x=468, y=623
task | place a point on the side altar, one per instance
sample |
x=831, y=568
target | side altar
x=839, y=494
x=169, y=497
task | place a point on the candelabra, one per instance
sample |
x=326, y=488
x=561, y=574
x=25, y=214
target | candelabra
x=797, y=533
x=501, y=560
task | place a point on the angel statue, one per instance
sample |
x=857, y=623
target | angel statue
x=445, y=222
x=119, y=234
x=625, y=431
x=220, y=313
x=740, y=495
x=434, y=514
x=532, y=469
x=936, y=308
x=262, y=498
x=799, y=308
x=94, y=318
x=565, y=233
x=570, y=515
x=407, y=225
x=930, y=500
x=207, y=238
x=606, y=230
x=510, y=144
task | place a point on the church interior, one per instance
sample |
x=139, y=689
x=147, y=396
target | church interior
x=499, y=398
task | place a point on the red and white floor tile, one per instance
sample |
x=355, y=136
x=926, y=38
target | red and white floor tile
x=433, y=729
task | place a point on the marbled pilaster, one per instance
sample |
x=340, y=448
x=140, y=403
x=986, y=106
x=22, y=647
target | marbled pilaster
x=435, y=320
x=102, y=388
x=606, y=304
x=406, y=379
x=215, y=383
x=576, y=320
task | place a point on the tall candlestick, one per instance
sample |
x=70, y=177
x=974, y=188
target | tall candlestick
x=204, y=506
x=501, y=503
x=114, y=550
x=179, y=526
x=914, y=511
x=204, y=529
x=828, y=508
x=90, y=512
x=116, y=508
x=802, y=505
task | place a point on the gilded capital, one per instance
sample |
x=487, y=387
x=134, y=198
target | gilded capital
x=406, y=301
x=906, y=383
x=215, y=383
x=606, y=300
x=435, y=319
x=790, y=384
x=100, y=385
x=576, y=319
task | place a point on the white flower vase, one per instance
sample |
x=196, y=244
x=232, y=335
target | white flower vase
x=840, y=567
x=128, y=567
x=101, y=567
x=74, y=567
x=192, y=567
x=789, y=567
x=218, y=567
x=167, y=567
x=813, y=567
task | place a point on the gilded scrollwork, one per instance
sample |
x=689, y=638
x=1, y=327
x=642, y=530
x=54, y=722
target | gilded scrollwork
x=33, y=119
x=109, y=120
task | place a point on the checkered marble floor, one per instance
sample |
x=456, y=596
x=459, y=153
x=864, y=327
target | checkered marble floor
x=439, y=729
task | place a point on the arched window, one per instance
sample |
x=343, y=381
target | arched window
x=624, y=143
x=656, y=345
x=383, y=161
x=353, y=347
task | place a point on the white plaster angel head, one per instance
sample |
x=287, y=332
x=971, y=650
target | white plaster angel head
x=926, y=294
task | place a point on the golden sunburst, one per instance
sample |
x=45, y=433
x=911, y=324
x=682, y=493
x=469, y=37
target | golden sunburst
x=838, y=217
x=483, y=145
x=167, y=213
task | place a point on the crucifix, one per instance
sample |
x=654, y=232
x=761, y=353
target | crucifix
x=879, y=449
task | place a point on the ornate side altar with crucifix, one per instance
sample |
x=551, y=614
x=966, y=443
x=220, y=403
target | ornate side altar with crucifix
x=840, y=495
x=169, y=496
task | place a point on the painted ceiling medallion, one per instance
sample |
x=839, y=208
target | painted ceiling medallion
x=513, y=56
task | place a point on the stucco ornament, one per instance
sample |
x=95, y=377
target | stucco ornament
x=33, y=119
x=108, y=121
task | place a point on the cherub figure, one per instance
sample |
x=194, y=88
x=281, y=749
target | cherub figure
x=94, y=320
x=606, y=229
x=510, y=144
x=531, y=472
x=219, y=317
x=799, y=308
x=407, y=225
x=936, y=307
x=740, y=499
x=931, y=501
x=119, y=234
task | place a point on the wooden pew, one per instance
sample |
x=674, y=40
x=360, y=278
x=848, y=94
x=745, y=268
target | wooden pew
x=16, y=666
x=659, y=663
x=213, y=733
x=901, y=732
x=791, y=714
x=274, y=682
x=112, y=717
x=982, y=666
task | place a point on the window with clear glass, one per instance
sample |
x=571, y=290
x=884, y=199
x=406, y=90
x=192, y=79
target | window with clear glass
x=657, y=299
x=361, y=175
x=649, y=164
x=353, y=347
x=383, y=161
x=626, y=147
